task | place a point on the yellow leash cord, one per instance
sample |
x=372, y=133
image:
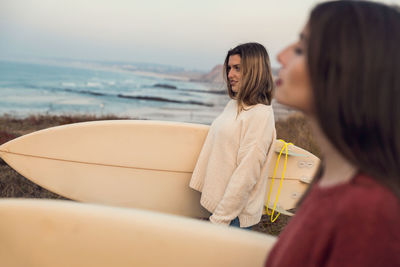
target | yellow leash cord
x=285, y=147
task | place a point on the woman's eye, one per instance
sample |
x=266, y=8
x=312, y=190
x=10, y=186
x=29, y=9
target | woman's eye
x=298, y=50
x=237, y=68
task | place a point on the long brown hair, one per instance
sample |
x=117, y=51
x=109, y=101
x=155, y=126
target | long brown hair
x=354, y=65
x=256, y=83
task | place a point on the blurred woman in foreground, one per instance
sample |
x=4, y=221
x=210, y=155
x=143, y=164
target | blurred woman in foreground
x=344, y=74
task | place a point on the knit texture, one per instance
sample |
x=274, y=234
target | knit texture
x=231, y=171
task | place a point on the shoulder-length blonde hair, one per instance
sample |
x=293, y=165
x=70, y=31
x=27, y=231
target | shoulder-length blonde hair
x=256, y=82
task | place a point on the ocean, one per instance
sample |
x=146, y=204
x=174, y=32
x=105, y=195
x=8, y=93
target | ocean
x=33, y=88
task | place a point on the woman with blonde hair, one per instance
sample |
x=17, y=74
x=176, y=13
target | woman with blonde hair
x=344, y=74
x=231, y=169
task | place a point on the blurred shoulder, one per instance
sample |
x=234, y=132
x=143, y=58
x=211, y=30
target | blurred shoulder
x=365, y=198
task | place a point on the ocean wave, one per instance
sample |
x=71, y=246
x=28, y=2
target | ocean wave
x=165, y=85
x=93, y=84
x=161, y=99
x=68, y=84
x=204, y=91
x=148, y=98
x=86, y=92
x=172, y=87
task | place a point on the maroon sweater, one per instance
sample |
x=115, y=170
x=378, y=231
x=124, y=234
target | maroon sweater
x=353, y=224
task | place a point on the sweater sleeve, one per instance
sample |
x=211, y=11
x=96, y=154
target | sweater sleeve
x=257, y=135
x=196, y=181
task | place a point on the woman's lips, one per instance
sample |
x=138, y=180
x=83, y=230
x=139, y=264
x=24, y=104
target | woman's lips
x=278, y=82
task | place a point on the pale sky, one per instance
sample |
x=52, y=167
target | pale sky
x=184, y=33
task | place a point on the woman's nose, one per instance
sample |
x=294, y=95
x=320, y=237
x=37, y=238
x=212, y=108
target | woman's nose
x=283, y=56
x=230, y=74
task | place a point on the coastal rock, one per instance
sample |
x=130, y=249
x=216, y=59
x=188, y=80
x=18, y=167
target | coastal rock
x=214, y=76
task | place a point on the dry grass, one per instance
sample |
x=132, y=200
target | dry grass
x=11, y=125
x=12, y=184
x=296, y=130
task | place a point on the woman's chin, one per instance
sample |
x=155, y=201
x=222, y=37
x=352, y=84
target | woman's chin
x=286, y=103
x=281, y=99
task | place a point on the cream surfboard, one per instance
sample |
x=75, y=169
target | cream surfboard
x=133, y=163
x=49, y=233
x=301, y=167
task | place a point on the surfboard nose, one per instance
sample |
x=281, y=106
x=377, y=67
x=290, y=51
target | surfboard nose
x=3, y=150
x=5, y=139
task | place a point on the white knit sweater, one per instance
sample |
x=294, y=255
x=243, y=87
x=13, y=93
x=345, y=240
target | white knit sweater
x=231, y=171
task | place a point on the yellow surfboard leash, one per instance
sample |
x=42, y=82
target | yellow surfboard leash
x=284, y=148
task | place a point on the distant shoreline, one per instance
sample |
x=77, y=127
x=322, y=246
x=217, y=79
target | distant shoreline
x=281, y=112
x=175, y=74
